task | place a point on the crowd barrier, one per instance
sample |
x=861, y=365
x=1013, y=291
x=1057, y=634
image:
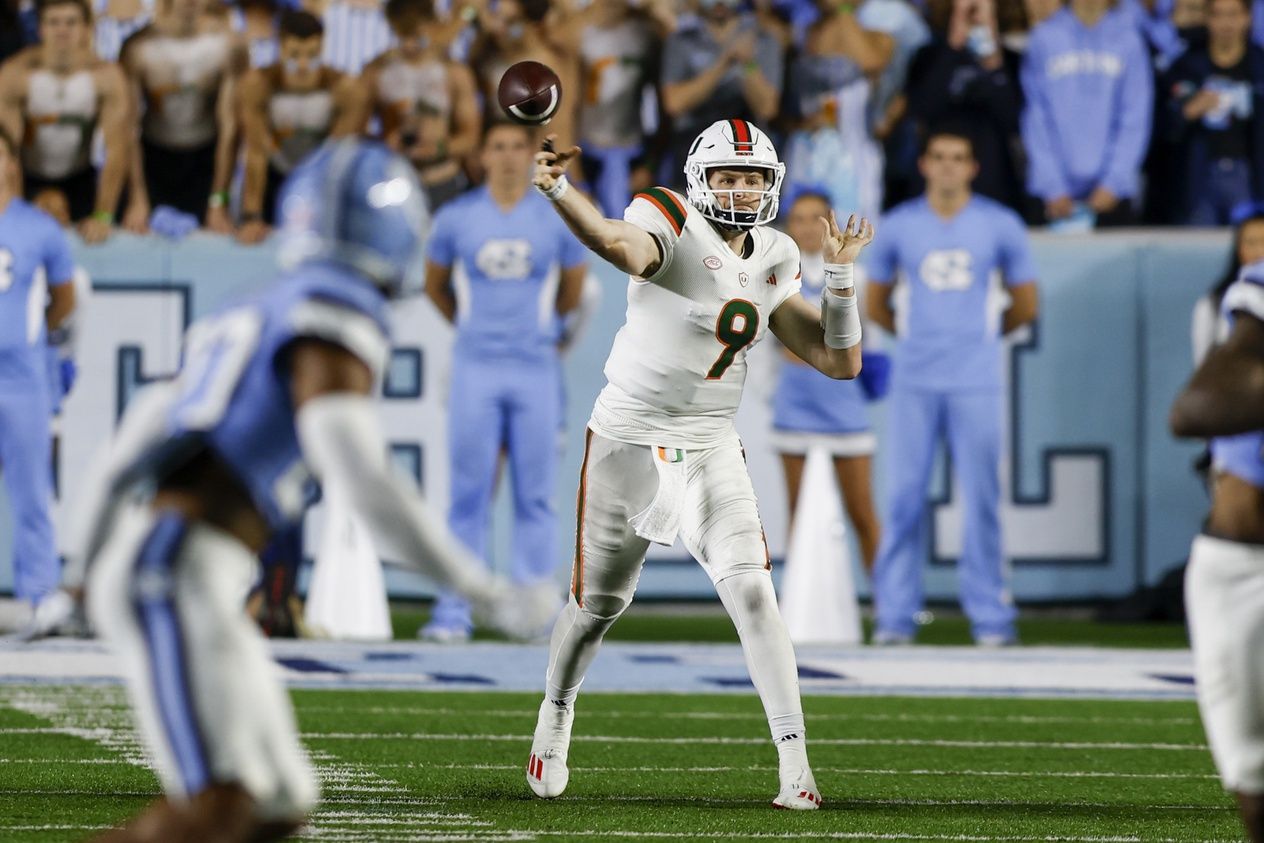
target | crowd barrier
x=1098, y=497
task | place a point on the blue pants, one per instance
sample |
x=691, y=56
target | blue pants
x=511, y=406
x=971, y=422
x=26, y=460
x=1216, y=188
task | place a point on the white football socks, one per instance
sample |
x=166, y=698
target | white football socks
x=752, y=604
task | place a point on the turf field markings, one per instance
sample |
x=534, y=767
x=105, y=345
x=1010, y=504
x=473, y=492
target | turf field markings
x=858, y=771
x=522, y=834
x=97, y=714
x=1021, y=719
x=734, y=741
x=406, y=801
x=349, y=782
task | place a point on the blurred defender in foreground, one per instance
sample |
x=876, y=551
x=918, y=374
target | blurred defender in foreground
x=273, y=395
x=1224, y=583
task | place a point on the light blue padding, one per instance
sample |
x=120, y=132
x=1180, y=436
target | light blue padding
x=1111, y=354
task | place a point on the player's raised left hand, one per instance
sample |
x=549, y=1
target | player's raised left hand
x=550, y=165
x=844, y=245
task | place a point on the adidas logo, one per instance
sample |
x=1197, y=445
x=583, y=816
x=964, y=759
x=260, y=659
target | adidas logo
x=772, y=279
x=790, y=737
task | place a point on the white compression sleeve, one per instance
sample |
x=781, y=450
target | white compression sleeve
x=840, y=318
x=343, y=443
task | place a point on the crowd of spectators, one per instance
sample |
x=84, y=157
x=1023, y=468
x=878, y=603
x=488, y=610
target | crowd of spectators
x=1084, y=114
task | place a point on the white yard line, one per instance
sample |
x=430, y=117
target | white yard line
x=1021, y=719
x=100, y=734
x=857, y=771
x=720, y=741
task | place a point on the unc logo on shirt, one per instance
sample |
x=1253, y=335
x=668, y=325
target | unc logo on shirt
x=505, y=260
x=947, y=270
x=1084, y=62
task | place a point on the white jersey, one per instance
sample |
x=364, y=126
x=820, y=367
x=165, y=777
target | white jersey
x=61, y=114
x=678, y=364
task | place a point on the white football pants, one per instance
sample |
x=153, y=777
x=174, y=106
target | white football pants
x=1224, y=601
x=721, y=528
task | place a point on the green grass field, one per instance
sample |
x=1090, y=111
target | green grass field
x=404, y=766
x=691, y=623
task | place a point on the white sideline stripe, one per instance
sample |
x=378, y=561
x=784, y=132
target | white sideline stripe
x=858, y=771
x=424, y=736
x=1022, y=719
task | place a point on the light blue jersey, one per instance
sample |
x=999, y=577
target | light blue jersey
x=950, y=314
x=30, y=241
x=1242, y=455
x=234, y=387
x=505, y=272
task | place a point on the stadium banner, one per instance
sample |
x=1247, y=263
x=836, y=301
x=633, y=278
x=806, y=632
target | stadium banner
x=1098, y=497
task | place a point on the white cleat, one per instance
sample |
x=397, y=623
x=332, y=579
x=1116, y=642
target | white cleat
x=798, y=792
x=547, y=773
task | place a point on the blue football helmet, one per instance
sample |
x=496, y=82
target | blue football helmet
x=356, y=203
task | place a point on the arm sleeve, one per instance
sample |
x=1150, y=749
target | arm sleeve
x=660, y=213
x=441, y=247
x=59, y=263
x=1045, y=176
x=882, y=258
x=1017, y=264
x=343, y=445
x=1133, y=111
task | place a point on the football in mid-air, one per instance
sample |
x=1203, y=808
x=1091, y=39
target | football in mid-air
x=530, y=93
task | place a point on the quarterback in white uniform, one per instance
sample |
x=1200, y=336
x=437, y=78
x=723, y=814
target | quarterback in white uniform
x=662, y=458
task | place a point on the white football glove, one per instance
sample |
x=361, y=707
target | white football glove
x=523, y=612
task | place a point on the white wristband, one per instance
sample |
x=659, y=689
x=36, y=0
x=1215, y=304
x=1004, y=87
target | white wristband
x=838, y=276
x=558, y=190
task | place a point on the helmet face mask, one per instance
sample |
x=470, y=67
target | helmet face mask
x=733, y=145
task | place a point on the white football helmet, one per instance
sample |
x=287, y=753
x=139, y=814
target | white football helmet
x=733, y=144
